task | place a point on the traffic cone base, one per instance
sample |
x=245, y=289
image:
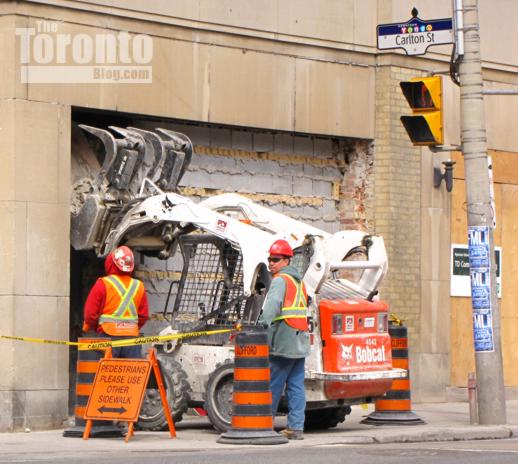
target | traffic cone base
x=263, y=437
x=393, y=418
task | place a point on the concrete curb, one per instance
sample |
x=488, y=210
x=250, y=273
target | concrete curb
x=435, y=434
x=448, y=434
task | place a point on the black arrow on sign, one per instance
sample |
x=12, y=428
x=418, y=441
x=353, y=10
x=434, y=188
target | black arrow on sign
x=104, y=409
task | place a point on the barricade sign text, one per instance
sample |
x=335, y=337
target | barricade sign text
x=118, y=389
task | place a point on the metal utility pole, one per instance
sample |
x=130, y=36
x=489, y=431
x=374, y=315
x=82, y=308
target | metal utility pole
x=480, y=210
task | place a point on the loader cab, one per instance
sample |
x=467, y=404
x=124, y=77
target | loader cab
x=206, y=290
x=302, y=256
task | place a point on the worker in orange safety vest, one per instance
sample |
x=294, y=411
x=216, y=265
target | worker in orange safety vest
x=284, y=313
x=117, y=305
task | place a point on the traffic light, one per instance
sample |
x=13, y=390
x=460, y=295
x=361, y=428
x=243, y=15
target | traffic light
x=424, y=95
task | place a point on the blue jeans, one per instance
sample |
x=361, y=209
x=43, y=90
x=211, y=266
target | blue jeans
x=125, y=352
x=290, y=373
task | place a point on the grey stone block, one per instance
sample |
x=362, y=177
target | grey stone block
x=199, y=135
x=294, y=212
x=220, y=137
x=303, y=146
x=322, y=146
x=219, y=164
x=196, y=161
x=283, y=143
x=242, y=182
x=196, y=178
x=322, y=188
x=264, y=183
x=257, y=166
x=242, y=140
x=314, y=212
x=329, y=209
x=302, y=186
x=262, y=142
x=291, y=169
x=313, y=171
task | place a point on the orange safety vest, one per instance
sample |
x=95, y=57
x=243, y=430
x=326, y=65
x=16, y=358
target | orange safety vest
x=295, y=305
x=123, y=297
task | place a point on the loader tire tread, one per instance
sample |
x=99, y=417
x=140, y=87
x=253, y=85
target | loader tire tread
x=152, y=415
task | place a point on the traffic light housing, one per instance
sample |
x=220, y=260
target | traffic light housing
x=424, y=95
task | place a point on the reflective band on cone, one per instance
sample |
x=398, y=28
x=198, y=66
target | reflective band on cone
x=87, y=361
x=252, y=420
x=395, y=408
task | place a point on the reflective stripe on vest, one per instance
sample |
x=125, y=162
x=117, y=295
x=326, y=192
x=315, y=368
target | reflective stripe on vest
x=294, y=308
x=127, y=310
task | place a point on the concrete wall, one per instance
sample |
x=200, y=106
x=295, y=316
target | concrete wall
x=33, y=263
x=268, y=86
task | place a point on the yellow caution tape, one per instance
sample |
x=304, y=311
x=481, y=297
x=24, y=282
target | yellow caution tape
x=393, y=318
x=38, y=340
x=125, y=342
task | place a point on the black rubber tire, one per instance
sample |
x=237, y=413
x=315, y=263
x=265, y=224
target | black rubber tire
x=152, y=415
x=218, y=396
x=320, y=419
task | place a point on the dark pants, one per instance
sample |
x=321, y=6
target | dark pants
x=134, y=351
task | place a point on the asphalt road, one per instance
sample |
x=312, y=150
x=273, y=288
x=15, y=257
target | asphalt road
x=472, y=452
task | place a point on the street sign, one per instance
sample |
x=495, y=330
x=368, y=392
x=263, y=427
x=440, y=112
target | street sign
x=118, y=389
x=416, y=35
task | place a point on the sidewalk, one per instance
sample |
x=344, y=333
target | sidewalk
x=444, y=422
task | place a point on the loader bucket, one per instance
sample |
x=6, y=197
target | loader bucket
x=154, y=153
x=128, y=161
x=110, y=147
x=122, y=159
x=179, y=148
x=128, y=173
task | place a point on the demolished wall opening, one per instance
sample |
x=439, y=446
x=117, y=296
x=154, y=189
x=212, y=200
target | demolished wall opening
x=307, y=177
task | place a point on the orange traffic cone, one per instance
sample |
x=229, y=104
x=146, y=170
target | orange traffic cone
x=252, y=420
x=395, y=408
x=87, y=361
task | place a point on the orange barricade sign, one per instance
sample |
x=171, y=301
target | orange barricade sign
x=118, y=389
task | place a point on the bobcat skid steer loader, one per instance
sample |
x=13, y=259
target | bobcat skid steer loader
x=216, y=254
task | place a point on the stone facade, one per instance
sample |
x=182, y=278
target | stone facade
x=35, y=247
x=295, y=109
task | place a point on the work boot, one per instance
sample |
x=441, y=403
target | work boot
x=293, y=434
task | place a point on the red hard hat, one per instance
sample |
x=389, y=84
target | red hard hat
x=123, y=259
x=281, y=248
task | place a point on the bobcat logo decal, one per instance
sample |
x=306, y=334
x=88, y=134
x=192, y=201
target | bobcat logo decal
x=347, y=352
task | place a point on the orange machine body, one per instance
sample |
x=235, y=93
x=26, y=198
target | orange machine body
x=355, y=339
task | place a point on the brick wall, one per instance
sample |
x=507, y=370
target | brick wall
x=397, y=179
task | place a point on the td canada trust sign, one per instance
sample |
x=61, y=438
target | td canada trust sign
x=50, y=56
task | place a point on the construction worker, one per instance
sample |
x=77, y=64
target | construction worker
x=117, y=305
x=284, y=313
